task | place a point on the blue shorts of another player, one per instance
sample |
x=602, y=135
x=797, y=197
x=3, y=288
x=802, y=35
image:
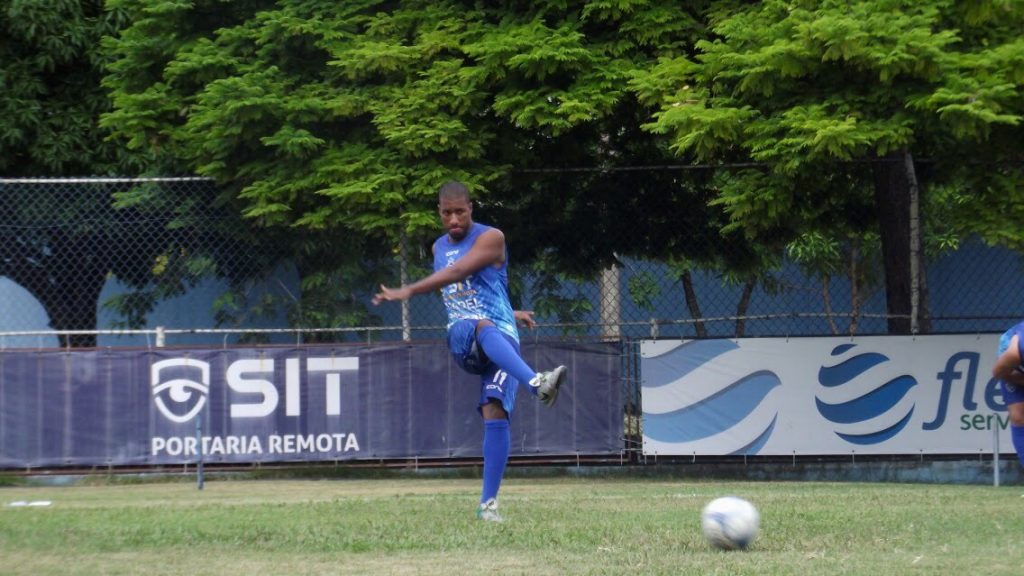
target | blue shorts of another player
x=494, y=382
x=1011, y=394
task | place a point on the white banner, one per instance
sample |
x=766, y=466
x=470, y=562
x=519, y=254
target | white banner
x=823, y=396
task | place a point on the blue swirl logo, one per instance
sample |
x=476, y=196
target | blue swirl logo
x=851, y=372
x=722, y=411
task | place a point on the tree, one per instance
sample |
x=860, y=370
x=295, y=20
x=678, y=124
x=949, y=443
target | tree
x=50, y=93
x=844, y=105
x=344, y=119
x=63, y=240
x=316, y=115
x=54, y=241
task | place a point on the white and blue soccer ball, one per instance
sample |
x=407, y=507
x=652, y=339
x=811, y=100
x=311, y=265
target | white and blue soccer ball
x=730, y=523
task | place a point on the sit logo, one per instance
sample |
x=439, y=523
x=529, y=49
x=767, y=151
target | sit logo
x=184, y=394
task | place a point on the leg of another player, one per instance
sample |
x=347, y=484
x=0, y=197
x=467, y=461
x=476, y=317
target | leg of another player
x=1008, y=369
x=496, y=447
x=1016, y=413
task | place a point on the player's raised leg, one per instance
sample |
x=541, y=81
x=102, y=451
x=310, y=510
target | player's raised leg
x=1017, y=432
x=503, y=351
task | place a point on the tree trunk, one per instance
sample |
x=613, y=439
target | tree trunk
x=66, y=278
x=893, y=201
x=919, y=320
x=826, y=298
x=743, y=306
x=77, y=287
x=72, y=306
x=855, y=294
x=924, y=317
x=692, y=305
x=611, y=304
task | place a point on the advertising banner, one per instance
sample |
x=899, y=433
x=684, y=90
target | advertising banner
x=822, y=396
x=274, y=404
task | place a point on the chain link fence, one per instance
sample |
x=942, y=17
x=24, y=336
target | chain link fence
x=150, y=261
x=169, y=261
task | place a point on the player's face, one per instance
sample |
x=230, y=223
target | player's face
x=456, y=216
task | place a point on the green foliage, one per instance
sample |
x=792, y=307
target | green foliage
x=335, y=123
x=300, y=105
x=183, y=235
x=63, y=242
x=558, y=296
x=344, y=119
x=800, y=86
x=50, y=93
x=817, y=252
x=988, y=207
x=325, y=117
x=643, y=289
x=818, y=94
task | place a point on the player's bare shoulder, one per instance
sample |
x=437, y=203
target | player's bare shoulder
x=492, y=242
x=494, y=235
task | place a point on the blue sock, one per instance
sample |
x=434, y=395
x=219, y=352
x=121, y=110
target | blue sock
x=504, y=354
x=496, y=447
x=1017, y=434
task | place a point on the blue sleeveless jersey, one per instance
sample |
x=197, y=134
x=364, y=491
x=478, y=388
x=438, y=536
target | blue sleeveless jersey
x=484, y=294
x=1004, y=341
x=1012, y=394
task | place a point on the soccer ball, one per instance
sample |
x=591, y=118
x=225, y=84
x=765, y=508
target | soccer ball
x=730, y=523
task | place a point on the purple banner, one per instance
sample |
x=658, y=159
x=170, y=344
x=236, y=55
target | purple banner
x=276, y=404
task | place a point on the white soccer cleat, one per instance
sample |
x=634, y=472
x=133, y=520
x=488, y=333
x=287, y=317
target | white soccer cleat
x=488, y=511
x=548, y=383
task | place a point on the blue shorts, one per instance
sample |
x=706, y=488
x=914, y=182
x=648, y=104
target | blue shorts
x=495, y=383
x=1011, y=394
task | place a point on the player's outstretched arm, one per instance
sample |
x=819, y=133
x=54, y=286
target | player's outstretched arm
x=488, y=250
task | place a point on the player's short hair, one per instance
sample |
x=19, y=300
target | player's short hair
x=453, y=190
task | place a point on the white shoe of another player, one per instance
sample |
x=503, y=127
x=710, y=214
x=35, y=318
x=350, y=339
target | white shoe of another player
x=488, y=511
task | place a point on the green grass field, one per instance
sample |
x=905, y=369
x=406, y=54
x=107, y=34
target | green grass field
x=553, y=526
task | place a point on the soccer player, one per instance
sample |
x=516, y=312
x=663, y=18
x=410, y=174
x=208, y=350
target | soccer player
x=1010, y=373
x=471, y=271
